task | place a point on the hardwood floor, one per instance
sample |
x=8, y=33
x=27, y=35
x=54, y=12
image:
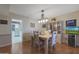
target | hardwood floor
x=26, y=48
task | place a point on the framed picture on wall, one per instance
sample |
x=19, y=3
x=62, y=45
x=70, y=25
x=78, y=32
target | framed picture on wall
x=32, y=25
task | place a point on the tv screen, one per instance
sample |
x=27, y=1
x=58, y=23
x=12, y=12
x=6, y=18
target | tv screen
x=71, y=22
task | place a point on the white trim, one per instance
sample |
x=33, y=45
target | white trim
x=16, y=20
x=75, y=40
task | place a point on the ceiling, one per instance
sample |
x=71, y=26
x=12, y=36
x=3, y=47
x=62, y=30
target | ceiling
x=4, y=9
x=34, y=10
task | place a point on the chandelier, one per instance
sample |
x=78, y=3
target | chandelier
x=43, y=20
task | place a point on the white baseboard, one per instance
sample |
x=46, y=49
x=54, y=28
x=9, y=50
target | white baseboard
x=5, y=44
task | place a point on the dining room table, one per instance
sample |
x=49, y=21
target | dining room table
x=45, y=37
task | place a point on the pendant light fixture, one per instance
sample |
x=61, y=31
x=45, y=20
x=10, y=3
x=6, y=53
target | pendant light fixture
x=42, y=20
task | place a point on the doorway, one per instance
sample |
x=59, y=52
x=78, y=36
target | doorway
x=16, y=36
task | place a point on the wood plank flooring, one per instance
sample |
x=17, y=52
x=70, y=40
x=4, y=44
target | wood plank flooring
x=26, y=48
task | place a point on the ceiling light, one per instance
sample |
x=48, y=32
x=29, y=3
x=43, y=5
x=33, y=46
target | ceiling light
x=42, y=20
x=39, y=22
x=46, y=20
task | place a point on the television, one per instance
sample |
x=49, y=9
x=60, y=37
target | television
x=71, y=22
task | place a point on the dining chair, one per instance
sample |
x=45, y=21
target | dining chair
x=35, y=40
x=38, y=42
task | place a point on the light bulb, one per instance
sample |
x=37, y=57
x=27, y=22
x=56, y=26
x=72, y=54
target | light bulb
x=46, y=20
x=43, y=21
x=39, y=22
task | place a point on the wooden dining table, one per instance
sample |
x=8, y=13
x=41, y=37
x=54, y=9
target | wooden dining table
x=46, y=38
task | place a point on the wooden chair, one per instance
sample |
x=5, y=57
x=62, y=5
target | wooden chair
x=38, y=42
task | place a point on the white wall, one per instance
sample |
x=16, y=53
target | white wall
x=27, y=29
x=5, y=40
x=4, y=12
x=3, y=27
x=26, y=22
x=5, y=30
x=4, y=9
x=5, y=37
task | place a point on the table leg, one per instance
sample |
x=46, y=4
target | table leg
x=46, y=46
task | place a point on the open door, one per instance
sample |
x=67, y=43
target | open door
x=16, y=36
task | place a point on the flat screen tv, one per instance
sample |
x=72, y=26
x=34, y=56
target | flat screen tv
x=71, y=22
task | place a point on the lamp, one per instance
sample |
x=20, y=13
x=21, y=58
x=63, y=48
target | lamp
x=42, y=20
